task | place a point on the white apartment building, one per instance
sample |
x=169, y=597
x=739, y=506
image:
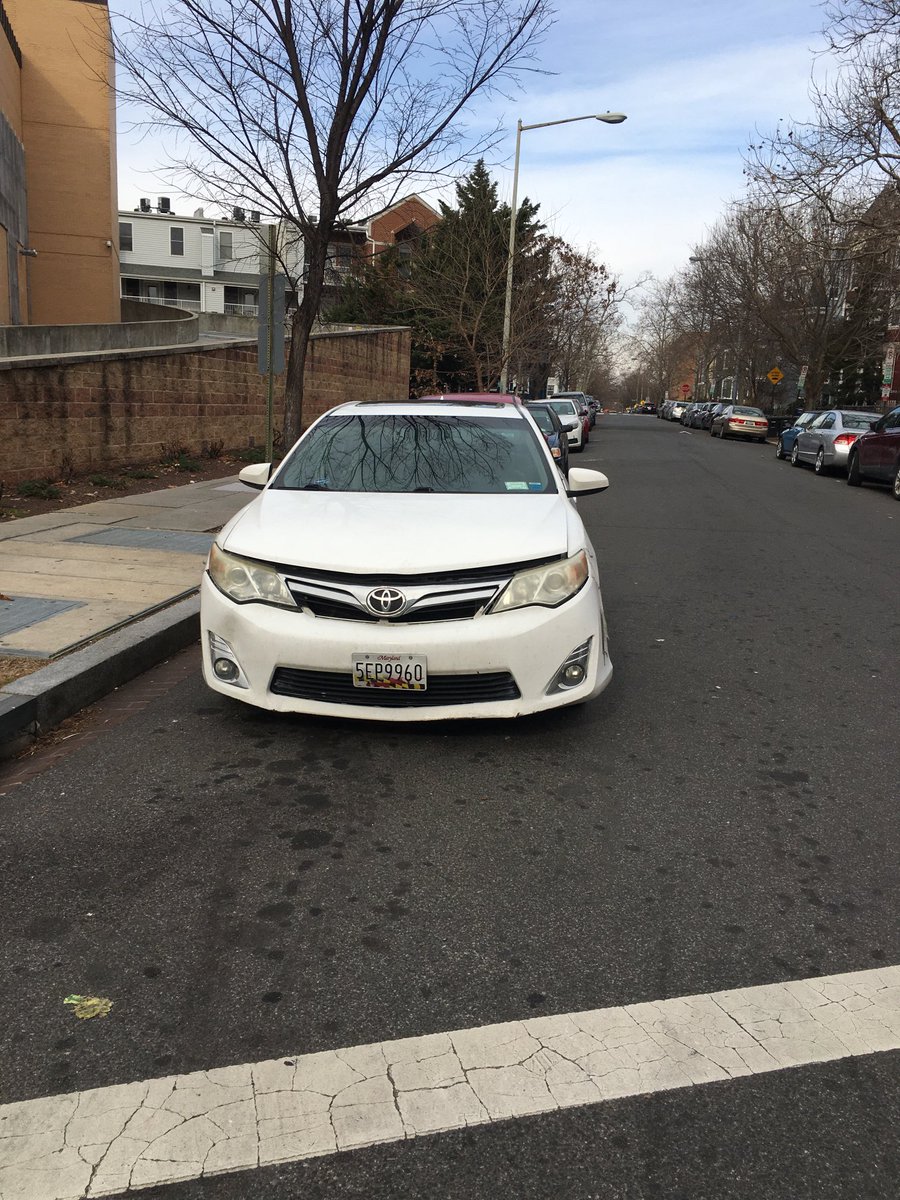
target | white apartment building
x=200, y=263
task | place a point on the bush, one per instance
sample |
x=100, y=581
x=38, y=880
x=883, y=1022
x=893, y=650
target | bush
x=187, y=464
x=140, y=473
x=39, y=489
x=215, y=448
x=251, y=454
x=105, y=481
x=172, y=451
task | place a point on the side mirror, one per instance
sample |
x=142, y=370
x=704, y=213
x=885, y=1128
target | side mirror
x=568, y=423
x=256, y=475
x=583, y=482
x=879, y=425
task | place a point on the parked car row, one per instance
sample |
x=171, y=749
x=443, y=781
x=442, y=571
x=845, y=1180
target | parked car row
x=722, y=420
x=859, y=442
x=864, y=444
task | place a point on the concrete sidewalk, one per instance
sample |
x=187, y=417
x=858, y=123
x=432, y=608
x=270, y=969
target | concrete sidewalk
x=101, y=592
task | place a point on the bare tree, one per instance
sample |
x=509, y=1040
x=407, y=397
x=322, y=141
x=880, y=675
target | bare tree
x=310, y=110
x=661, y=346
x=850, y=148
x=585, y=313
x=806, y=279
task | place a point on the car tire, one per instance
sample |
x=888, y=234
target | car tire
x=819, y=465
x=723, y=433
x=854, y=479
x=779, y=449
x=895, y=486
x=795, y=456
x=762, y=441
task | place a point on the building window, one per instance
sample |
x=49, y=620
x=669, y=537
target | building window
x=126, y=235
x=176, y=241
x=226, y=246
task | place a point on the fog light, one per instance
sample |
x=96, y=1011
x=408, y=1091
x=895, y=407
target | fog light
x=573, y=672
x=225, y=665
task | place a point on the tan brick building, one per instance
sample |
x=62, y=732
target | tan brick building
x=57, y=163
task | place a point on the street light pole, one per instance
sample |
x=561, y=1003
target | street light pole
x=608, y=119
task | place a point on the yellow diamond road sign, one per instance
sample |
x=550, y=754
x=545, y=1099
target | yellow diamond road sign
x=775, y=376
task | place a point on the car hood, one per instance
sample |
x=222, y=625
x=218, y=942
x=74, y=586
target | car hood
x=366, y=532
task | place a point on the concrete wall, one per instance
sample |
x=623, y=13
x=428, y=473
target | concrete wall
x=218, y=322
x=130, y=407
x=68, y=129
x=142, y=325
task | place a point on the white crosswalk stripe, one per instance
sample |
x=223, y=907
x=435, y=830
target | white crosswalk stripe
x=160, y=1131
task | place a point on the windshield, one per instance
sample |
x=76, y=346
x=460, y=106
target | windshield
x=565, y=408
x=356, y=452
x=852, y=420
x=747, y=412
x=543, y=420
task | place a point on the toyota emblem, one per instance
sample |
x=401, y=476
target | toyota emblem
x=385, y=601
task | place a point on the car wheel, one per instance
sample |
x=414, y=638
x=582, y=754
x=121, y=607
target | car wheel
x=712, y=432
x=723, y=433
x=819, y=465
x=779, y=449
x=762, y=441
x=896, y=485
x=795, y=456
x=854, y=479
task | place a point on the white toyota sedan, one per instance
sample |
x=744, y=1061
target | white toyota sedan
x=409, y=561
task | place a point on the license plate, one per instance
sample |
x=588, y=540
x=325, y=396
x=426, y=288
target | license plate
x=392, y=672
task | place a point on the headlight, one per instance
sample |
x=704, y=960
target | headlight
x=243, y=580
x=548, y=586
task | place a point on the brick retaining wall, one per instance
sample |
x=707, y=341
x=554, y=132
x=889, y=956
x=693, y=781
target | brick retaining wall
x=102, y=411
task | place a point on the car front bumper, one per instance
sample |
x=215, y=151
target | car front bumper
x=530, y=644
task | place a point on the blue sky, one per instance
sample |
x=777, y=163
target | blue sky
x=696, y=78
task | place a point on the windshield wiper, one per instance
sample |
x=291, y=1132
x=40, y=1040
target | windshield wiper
x=316, y=486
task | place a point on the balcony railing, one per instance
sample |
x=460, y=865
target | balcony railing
x=190, y=305
x=241, y=310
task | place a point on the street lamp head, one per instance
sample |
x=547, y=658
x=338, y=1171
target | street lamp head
x=611, y=118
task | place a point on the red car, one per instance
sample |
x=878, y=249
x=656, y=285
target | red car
x=875, y=454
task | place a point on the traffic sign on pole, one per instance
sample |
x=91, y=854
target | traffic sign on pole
x=685, y=389
x=775, y=376
x=271, y=298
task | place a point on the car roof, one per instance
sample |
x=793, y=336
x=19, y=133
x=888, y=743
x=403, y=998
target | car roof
x=428, y=407
x=470, y=397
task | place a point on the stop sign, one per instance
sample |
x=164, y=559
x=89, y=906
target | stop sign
x=685, y=388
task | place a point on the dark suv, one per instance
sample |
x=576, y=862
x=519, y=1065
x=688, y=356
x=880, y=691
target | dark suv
x=875, y=454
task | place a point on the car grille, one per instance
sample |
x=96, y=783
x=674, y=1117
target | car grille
x=455, y=609
x=450, y=596
x=332, y=687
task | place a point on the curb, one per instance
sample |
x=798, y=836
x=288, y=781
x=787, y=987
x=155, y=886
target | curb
x=38, y=702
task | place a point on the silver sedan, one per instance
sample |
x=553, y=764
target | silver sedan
x=826, y=442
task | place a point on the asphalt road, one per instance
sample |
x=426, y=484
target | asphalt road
x=246, y=886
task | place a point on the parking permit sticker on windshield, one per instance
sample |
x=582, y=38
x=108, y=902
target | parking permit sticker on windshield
x=535, y=487
x=517, y=486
